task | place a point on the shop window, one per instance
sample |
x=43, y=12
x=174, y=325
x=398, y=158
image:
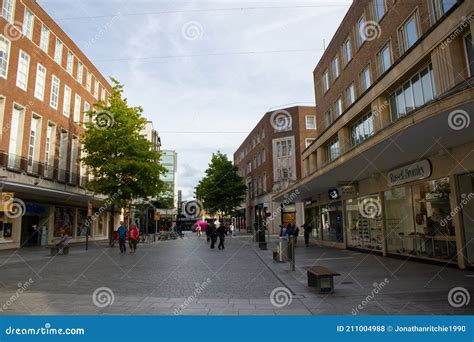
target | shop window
x=332, y=223
x=81, y=226
x=364, y=223
x=400, y=230
x=312, y=217
x=63, y=220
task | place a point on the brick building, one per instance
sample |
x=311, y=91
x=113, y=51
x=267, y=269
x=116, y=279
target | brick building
x=46, y=86
x=269, y=161
x=391, y=170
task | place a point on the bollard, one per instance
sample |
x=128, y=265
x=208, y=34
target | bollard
x=291, y=253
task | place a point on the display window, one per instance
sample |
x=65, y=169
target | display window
x=63, y=219
x=332, y=222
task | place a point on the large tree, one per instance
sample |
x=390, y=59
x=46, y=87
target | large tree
x=122, y=162
x=221, y=190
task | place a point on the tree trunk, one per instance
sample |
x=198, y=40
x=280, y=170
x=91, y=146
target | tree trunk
x=111, y=227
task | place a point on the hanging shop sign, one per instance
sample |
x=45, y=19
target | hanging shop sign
x=410, y=173
x=334, y=194
x=6, y=200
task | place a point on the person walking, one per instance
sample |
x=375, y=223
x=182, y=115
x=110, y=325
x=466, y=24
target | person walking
x=212, y=234
x=198, y=230
x=307, y=231
x=296, y=232
x=289, y=230
x=133, y=235
x=122, y=237
x=221, y=233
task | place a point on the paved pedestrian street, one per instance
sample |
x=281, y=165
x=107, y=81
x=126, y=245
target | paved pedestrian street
x=186, y=277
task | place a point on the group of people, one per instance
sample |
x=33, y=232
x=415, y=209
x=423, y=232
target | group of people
x=131, y=235
x=294, y=231
x=214, y=231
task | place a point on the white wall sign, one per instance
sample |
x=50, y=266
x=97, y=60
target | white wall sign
x=410, y=173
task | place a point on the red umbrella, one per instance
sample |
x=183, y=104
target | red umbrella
x=202, y=224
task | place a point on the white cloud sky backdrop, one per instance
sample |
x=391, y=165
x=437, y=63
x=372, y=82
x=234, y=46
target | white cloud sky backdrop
x=203, y=94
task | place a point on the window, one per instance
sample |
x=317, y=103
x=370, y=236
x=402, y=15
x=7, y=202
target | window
x=44, y=39
x=80, y=71
x=328, y=118
x=335, y=67
x=347, y=51
x=418, y=91
x=35, y=120
x=361, y=31
x=338, y=107
x=4, y=56
x=69, y=62
x=446, y=5
x=49, y=150
x=264, y=156
x=326, y=81
x=379, y=9
x=308, y=142
x=77, y=108
x=102, y=98
x=58, y=52
x=7, y=10
x=14, y=146
x=54, y=92
x=310, y=121
x=385, y=59
x=73, y=161
x=284, y=161
x=40, y=82
x=366, y=79
x=63, y=147
x=96, y=89
x=469, y=48
x=23, y=69
x=350, y=93
x=67, y=101
x=409, y=33
x=362, y=129
x=28, y=24
x=333, y=149
x=89, y=81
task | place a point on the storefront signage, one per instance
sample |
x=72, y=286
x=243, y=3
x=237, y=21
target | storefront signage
x=348, y=190
x=334, y=194
x=6, y=200
x=410, y=173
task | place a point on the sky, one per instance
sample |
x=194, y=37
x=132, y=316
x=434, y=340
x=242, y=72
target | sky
x=205, y=72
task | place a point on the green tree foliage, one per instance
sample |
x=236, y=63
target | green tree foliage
x=122, y=162
x=221, y=190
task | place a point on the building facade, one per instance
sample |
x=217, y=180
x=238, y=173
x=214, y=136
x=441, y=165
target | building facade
x=391, y=170
x=46, y=86
x=269, y=162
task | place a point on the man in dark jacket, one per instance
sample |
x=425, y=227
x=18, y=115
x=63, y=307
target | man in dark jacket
x=221, y=232
x=122, y=236
x=307, y=231
x=211, y=229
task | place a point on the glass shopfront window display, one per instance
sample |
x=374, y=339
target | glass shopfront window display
x=332, y=222
x=364, y=223
x=399, y=221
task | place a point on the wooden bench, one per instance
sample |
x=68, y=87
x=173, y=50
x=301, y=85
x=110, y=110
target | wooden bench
x=321, y=278
x=54, y=250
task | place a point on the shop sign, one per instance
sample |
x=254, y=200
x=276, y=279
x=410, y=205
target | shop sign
x=157, y=216
x=334, y=194
x=6, y=201
x=348, y=190
x=410, y=173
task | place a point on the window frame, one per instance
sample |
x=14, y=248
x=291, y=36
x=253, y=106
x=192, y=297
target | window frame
x=375, y=7
x=329, y=146
x=44, y=42
x=25, y=88
x=67, y=105
x=58, y=54
x=313, y=117
x=12, y=10
x=381, y=65
x=52, y=94
x=28, y=26
x=8, y=51
x=326, y=81
x=41, y=96
x=363, y=79
x=347, y=43
x=402, y=31
x=351, y=86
